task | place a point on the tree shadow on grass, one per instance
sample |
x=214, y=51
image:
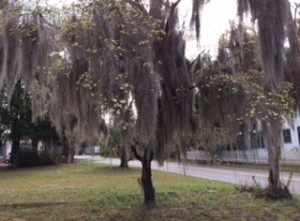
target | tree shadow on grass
x=115, y=170
x=30, y=205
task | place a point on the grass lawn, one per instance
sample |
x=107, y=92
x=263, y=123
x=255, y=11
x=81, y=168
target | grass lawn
x=89, y=192
x=294, y=169
x=284, y=168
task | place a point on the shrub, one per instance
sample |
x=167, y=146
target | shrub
x=29, y=158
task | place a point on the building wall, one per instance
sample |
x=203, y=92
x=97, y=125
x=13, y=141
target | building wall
x=290, y=154
x=292, y=126
x=254, y=156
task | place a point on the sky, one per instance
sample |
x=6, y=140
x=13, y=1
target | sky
x=214, y=21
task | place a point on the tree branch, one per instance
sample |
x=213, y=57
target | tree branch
x=135, y=153
x=151, y=155
x=47, y=22
x=176, y=3
x=297, y=6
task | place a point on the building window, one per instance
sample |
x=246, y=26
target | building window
x=287, y=136
x=260, y=140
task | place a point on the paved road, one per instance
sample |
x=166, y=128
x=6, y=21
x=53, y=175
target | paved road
x=217, y=173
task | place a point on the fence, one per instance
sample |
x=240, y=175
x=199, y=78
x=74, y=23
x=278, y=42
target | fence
x=255, y=156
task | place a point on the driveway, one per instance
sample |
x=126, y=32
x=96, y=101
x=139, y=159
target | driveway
x=217, y=173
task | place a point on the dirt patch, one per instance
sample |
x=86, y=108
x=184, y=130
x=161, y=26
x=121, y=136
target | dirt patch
x=282, y=193
x=272, y=194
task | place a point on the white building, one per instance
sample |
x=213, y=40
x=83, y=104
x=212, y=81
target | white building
x=291, y=134
x=290, y=152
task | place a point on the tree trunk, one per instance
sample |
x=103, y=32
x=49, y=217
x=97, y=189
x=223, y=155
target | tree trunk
x=34, y=144
x=275, y=190
x=15, y=153
x=71, y=154
x=246, y=138
x=4, y=149
x=123, y=157
x=272, y=131
x=124, y=161
x=274, y=178
x=49, y=149
x=47, y=146
x=146, y=178
x=15, y=149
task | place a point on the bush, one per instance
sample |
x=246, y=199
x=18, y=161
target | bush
x=110, y=152
x=29, y=158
